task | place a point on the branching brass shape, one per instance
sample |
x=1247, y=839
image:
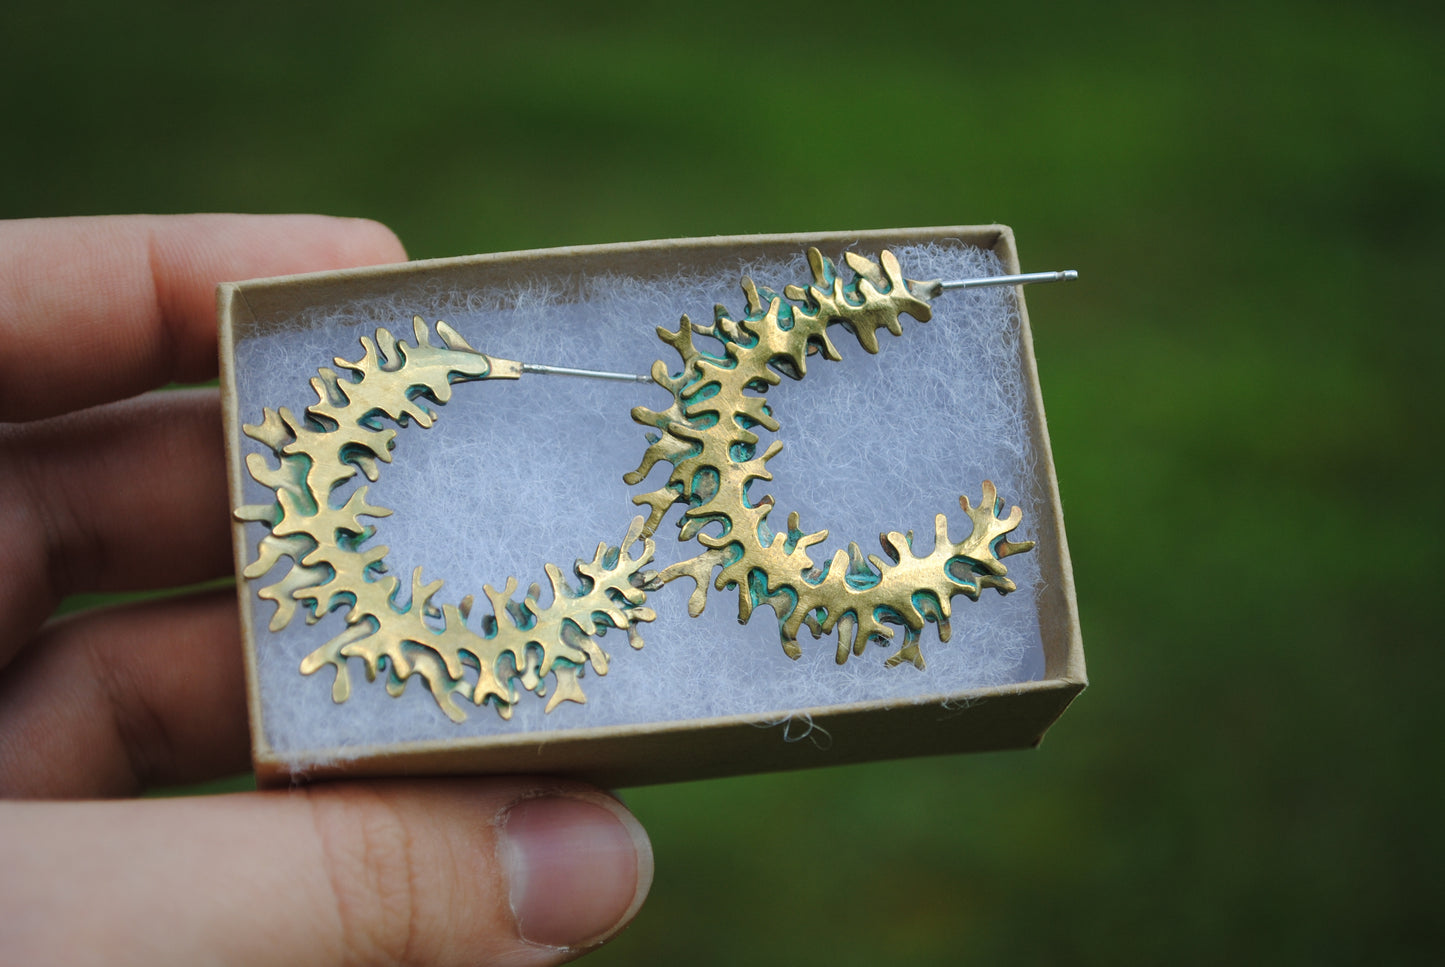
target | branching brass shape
x=333, y=566
x=707, y=436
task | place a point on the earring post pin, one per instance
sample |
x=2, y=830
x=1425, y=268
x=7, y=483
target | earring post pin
x=1027, y=278
x=588, y=373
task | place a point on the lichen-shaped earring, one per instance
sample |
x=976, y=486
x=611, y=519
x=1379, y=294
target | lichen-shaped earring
x=343, y=432
x=707, y=436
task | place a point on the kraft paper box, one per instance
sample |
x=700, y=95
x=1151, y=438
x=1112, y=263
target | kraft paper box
x=403, y=647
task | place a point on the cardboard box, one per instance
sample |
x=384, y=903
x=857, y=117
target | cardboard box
x=1010, y=715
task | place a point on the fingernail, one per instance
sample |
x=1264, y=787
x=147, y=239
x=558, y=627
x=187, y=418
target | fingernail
x=578, y=869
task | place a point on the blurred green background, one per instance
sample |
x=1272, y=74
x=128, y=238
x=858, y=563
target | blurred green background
x=1240, y=393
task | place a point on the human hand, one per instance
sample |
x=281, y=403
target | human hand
x=104, y=490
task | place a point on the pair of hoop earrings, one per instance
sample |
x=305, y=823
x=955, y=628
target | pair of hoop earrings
x=706, y=436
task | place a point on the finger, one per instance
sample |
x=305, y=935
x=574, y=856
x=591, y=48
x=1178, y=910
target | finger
x=127, y=496
x=424, y=873
x=98, y=309
x=110, y=702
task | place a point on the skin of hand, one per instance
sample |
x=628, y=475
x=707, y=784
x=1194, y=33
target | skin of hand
x=107, y=487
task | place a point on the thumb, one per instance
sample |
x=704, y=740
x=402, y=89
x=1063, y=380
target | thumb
x=421, y=872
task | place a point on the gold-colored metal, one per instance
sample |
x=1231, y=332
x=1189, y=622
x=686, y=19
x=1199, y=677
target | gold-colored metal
x=332, y=565
x=706, y=435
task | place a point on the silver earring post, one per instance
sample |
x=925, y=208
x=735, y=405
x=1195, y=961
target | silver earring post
x=588, y=373
x=1027, y=278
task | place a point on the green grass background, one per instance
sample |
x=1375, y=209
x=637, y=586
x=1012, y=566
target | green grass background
x=1240, y=391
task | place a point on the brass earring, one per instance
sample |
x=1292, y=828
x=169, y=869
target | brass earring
x=520, y=642
x=705, y=435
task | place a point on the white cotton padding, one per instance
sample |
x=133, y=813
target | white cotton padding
x=518, y=473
